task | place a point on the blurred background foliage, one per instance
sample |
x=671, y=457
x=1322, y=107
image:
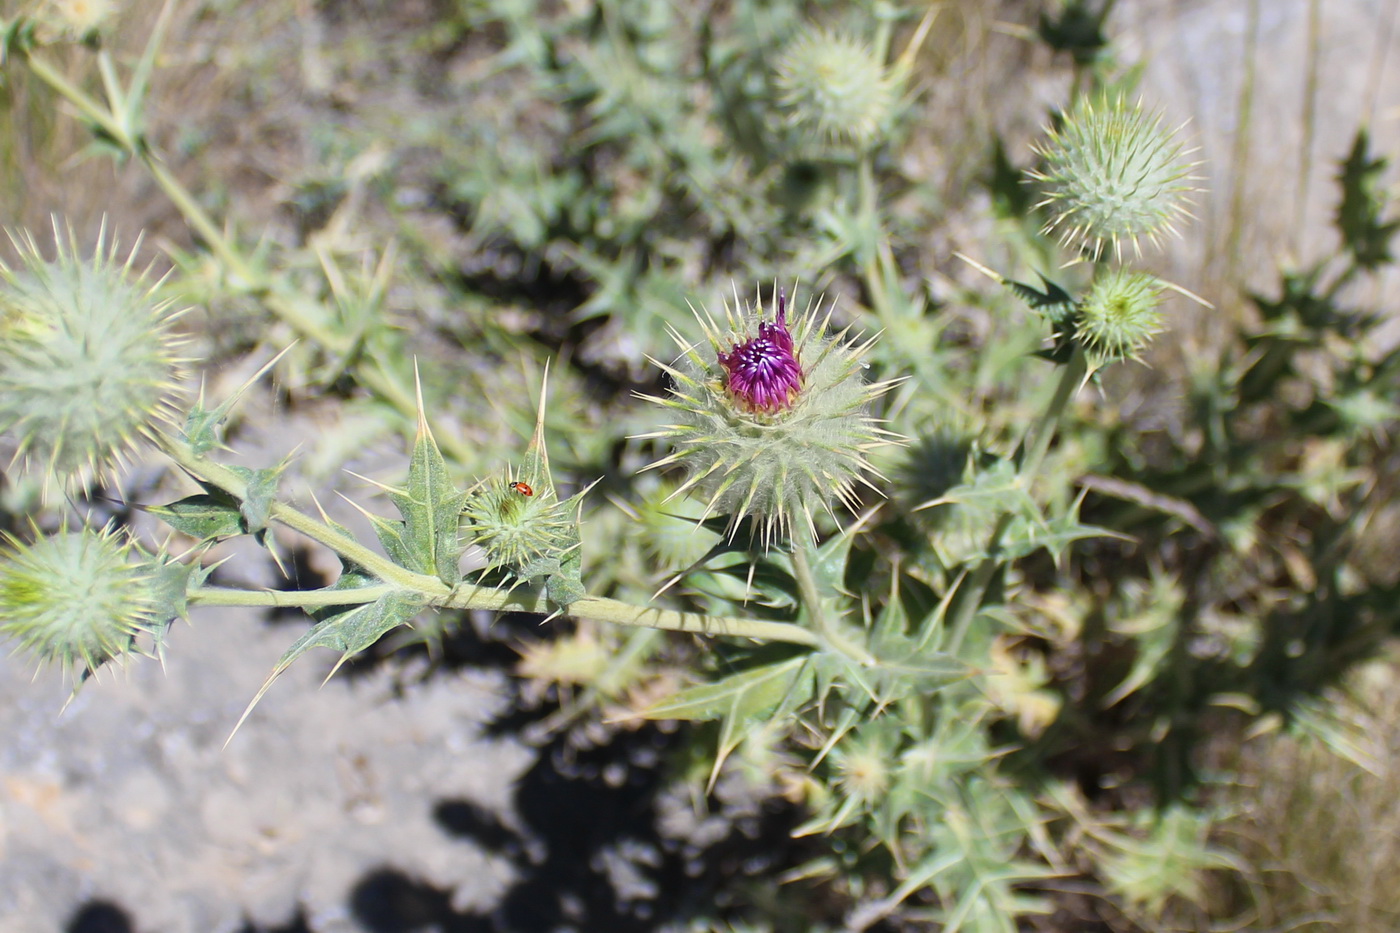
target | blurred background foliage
x=1183, y=721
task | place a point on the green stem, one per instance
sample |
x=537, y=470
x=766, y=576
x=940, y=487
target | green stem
x=1032, y=454
x=302, y=599
x=615, y=612
x=1037, y=440
x=827, y=625
x=439, y=593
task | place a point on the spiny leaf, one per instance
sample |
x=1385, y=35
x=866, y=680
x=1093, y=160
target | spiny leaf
x=201, y=427
x=749, y=693
x=431, y=506
x=1054, y=304
x=1359, y=218
x=207, y=516
x=256, y=507
x=171, y=583
x=349, y=631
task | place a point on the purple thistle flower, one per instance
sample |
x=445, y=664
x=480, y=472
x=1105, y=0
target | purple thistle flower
x=763, y=373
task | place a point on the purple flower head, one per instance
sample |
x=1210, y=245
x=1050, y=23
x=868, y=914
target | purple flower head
x=762, y=374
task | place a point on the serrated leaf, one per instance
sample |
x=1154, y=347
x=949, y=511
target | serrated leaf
x=431, y=506
x=749, y=693
x=201, y=428
x=1025, y=538
x=392, y=537
x=171, y=583
x=1054, y=304
x=1359, y=215
x=996, y=488
x=349, y=631
x=207, y=516
x=257, y=503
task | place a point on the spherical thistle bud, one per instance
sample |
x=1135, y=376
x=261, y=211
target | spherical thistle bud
x=83, y=18
x=863, y=767
x=1112, y=174
x=77, y=598
x=515, y=530
x=1120, y=315
x=836, y=87
x=772, y=418
x=88, y=357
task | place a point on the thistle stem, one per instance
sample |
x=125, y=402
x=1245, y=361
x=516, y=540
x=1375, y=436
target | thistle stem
x=302, y=599
x=1037, y=440
x=435, y=590
x=1032, y=454
x=827, y=625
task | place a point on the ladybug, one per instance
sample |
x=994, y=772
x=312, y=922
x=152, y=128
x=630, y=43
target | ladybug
x=522, y=488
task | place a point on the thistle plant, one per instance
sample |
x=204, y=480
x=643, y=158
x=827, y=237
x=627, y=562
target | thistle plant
x=1113, y=174
x=773, y=419
x=89, y=359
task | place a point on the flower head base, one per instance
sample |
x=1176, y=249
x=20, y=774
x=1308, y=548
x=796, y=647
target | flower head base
x=1113, y=174
x=762, y=373
x=773, y=420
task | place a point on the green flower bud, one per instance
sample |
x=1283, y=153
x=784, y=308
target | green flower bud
x=77, y=598
x=772, y=422
x=518, y=524
x=88, y=358
x=83, y=18
x=836, y=87
x=1113, y=174
x=1120, y=315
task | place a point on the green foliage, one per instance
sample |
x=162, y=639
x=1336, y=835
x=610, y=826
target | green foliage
x=1050, y=592
x=1365, y=233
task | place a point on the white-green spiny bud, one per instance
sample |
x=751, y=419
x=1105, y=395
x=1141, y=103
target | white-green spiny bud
x=88, y=357
x=1120, y=315
x=76, y=598
x=517, y=523
x=1112, y=174
x=82, y=18
x=837, y=87
x=772, y=421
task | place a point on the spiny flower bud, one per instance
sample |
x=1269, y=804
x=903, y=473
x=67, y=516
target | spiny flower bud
x=774, y=420
x=837, y=87
x=76, y=598
x=83, y=17
x=1120, y=314
x=88, y=360
x=519, y=523
x=1112, y=174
